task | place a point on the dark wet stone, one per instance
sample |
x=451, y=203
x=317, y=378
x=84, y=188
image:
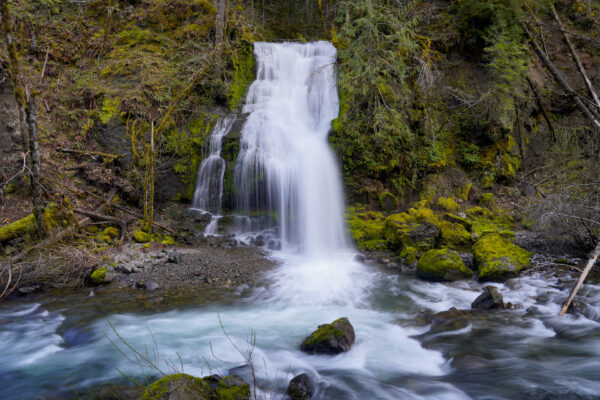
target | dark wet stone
x=75, y=337
x=300, y=388
x=174, y=257
x=259, y=241
x=150, y=286
x=359, y=258
x=489, y=299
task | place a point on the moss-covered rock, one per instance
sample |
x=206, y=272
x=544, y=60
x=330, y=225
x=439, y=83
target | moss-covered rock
x=448, y=204
x=417, y=228
x=142, y=237
x=233, y=388
x=454, y=236
x=333, y=338
x=99, y=276
x=442, y=265
x=366, y=228
x=179, y=387
x=456, y=219
x=388, y=201
x=497, y=259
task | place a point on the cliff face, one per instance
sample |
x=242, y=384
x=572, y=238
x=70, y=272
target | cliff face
x=435, y=97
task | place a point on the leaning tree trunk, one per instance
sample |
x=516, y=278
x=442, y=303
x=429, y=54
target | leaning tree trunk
x=591, y=262
x=34, y=155
x=588, y=82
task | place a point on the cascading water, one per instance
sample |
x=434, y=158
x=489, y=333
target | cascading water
x=208, y=195
x=285, y=165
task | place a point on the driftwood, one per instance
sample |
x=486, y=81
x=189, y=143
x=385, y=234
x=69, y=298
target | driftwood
x=561, y=81
x=588, y=82
x=591, y=261
x=91, y=153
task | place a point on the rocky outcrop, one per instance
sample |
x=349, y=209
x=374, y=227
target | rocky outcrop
x=489, y=299
x=497, y=259
x=442, y=265
x=300, y=388
x=334, y=338
x=187, y=387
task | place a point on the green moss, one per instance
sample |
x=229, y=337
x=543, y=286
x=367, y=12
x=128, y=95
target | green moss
x=487, y=199
x=18, y=228
x=442, y=265
x=409, y=255
x=324, y=333
x=498, y=259
x=111, y=231
x=448, y=204
x=233, y=388
x=99, y=275
x=366, y=228
x=142, y=237
x=403, y=230
x=178, y=386
x=388, y=201
x=243, y=74
x=455, y=235
x=92, y=229
x=110, y=109
x=168, y=241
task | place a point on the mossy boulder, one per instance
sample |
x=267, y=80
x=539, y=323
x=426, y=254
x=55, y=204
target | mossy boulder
x=101, y=275
x=417, y=228
x=442, y=265
x=497, y=259
x=366, y=228
x=142, y=237
x=448, y=204
x=456, y=219
x=455, y=235
x=334, y=338
x=187, y=387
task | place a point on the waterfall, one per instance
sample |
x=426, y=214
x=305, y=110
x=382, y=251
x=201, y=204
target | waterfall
x=285, y=165
x=208, y=195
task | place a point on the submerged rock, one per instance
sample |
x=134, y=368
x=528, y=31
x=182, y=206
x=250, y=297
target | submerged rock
x=489, y=299
x=300, y=388
x=442, y=265
x=497, y=259
x=187, y=387
x=334, y=338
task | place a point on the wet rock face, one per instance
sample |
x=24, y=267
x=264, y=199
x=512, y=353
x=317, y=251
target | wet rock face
x=300, y=388
x=334, y=338
x=489, y=299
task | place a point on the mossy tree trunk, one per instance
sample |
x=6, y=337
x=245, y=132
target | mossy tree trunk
x=220, y=36
x=149, y=184
x=27, y=117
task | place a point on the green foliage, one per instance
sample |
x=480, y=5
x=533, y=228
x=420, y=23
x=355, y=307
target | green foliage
x=375, y=40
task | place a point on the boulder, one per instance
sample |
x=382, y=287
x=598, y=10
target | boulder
x=449, y=320
x=417, y=228
x=334, y=338
x=442, y=265
x=455, y=235
x=102, y=275
x=489, y=299
x=497, y=259
x=425, y=235
x=187, y=387
x=300, y=388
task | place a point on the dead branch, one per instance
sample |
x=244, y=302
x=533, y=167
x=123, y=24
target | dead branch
x=591, y=262
x=91, y=153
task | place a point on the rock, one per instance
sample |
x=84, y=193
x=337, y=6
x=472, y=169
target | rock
x=174, y=257
x=187, y=387
x=384, y=260
x=449, y=320
x=528, y=191
x=425, y=235
x=102, y=275
x=417, y=228
x=489, y=299
x=455, y=235
x=300, y=388
x=28, y=289
x=150, y=286
x=458, y=219
x=334, y=338
x=259, y=241
x=359, y=258
x=442, y=265
x=497, y=259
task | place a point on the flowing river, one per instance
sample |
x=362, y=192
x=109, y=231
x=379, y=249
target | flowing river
x=64, y=347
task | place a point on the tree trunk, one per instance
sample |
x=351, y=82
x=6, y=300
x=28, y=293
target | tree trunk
x=149, y=185
x=541, y=105
x=562, y=82
x=592, y=260
x=34, y=154
x=588, y=82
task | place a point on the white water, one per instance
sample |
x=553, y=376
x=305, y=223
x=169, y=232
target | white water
x=208, y=195
x=285, y=165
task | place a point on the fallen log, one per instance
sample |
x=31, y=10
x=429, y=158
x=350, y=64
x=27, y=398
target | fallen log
x=91, y=153
x=591, y=262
